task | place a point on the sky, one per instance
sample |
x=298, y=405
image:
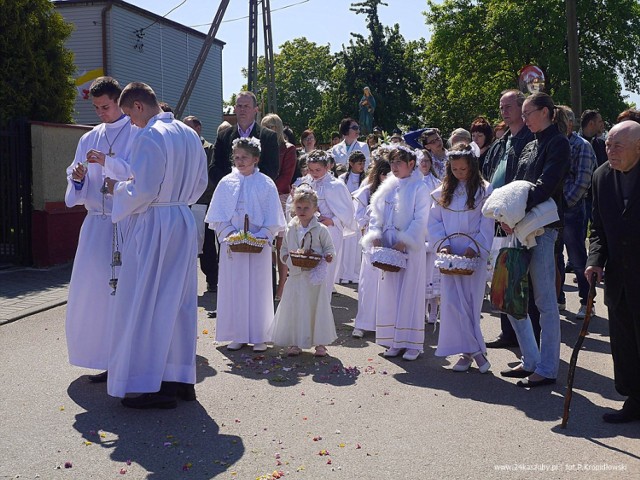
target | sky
x=320, y=21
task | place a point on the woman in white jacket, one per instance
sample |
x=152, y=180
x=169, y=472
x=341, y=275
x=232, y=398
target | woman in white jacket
x=399, y=211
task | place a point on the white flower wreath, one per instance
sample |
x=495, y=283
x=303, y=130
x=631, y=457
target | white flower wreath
x=247, y=141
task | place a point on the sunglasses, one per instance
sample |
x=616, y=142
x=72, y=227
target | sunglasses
x=354, y=127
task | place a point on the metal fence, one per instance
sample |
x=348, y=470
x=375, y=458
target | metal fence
x=15, y=193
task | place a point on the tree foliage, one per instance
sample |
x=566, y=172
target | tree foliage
x=477, y=48
x=317, y=89
x=302, y=74
x=386, y=63
x=35, y=68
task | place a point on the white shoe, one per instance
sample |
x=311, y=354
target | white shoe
x=357, y=333
x=462, y=364
x=233, y=346
x=260, y=347
x=392, y=352
x=582, y=313
x=483, y=363
x=411, y=354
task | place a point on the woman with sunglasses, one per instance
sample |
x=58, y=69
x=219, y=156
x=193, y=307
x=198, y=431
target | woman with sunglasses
x=350, y=130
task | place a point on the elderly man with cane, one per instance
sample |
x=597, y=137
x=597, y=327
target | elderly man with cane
x=615, y=236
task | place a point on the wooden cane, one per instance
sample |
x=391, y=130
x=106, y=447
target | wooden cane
x=576, y=349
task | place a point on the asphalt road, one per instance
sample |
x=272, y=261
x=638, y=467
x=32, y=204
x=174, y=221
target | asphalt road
x=353, y=415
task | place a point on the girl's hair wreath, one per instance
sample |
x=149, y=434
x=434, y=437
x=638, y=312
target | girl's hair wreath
x=412, y=154
x=247, y=142
x=462, y=150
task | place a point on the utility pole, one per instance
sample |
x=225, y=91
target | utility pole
x=574, y=59
x=202, y=58
x=252, y=64
x=272, y=105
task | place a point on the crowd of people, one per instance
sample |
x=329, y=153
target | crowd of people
x=276, y=227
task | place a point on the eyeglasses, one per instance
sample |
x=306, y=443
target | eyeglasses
x=435, y=140
x=525, y=115
x=354, y=127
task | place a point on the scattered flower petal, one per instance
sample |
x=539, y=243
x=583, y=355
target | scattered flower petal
x=68, y=465
x=123, y=471
x=205, y=332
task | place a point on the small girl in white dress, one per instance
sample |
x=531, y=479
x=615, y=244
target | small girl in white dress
x=304, y=317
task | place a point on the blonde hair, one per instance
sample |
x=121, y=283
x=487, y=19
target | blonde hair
x=273, y=121
x=304, y=193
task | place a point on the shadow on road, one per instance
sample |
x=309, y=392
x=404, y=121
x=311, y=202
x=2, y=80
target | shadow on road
x=165, y=443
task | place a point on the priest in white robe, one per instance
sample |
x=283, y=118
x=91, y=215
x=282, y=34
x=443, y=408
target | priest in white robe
x=153, y=340
x=102, y=152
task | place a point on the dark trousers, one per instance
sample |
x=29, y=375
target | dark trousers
x=624, y=331
x=572, y=237
x=209, y=257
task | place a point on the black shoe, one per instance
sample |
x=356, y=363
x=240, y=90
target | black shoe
x=501, y=342
x=187, y=392
x=99, y=378
x=150, y=400
x=517, y=372
x=535, y=383
x=628, y=413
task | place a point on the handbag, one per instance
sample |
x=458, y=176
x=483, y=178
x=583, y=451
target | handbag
x=510, y=282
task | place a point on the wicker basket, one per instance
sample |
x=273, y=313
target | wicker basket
x=308, y=259
x=445, y=261
x=246, y=245
x=388, y=259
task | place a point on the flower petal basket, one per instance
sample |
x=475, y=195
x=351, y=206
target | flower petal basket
x=450, y=264
x=305, y=258
x=244, y=241
x=388, y=259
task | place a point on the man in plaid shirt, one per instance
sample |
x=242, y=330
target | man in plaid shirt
x=577, y=182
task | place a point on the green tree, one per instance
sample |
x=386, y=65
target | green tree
x=386, y=63
x=35, y=69
x=478, y=47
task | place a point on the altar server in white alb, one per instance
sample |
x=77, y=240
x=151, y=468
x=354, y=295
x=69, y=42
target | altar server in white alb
x=153, y=340
x=457, y=209
x=349, y=269
x=245, y=288
x=399, y=211
x=102, y=152
x=335, y=206
x=365, y=320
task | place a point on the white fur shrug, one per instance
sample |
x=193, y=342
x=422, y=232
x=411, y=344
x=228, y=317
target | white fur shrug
x=411, y=198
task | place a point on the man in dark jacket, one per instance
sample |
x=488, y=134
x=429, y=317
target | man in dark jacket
x=613, y=246
x=246, y=112
x=499, y=169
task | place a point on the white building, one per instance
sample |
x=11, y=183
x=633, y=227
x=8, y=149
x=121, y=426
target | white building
x=112, y=37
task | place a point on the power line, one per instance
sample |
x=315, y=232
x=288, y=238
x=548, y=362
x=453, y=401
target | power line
x=247, y=16
x=163, y=16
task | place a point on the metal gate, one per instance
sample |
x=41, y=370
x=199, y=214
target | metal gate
x=15, y=193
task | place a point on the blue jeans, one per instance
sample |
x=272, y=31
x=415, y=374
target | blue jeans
x=542, y=270
x=573, y=237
